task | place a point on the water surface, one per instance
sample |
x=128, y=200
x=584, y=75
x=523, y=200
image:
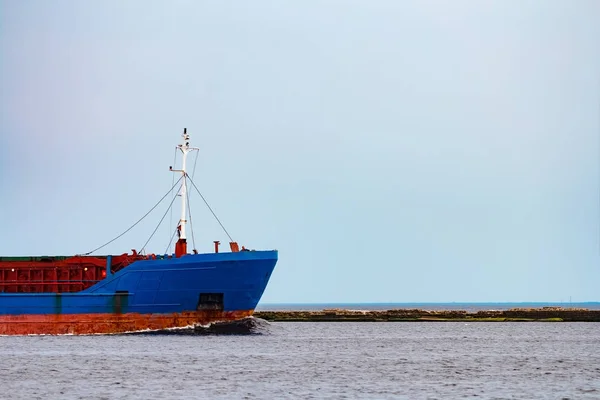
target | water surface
x=414, y=360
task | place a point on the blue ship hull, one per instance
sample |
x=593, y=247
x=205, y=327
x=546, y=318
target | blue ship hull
x=149, y=294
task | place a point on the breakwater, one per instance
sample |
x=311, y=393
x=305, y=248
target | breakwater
x=548, y=314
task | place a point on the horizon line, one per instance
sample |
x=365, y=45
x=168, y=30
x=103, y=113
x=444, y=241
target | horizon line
x=441, y=302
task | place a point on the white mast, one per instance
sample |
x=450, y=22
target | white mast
x=185, y=149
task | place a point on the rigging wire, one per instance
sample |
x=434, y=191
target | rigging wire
x=160, y=222
x=187, y=193
x=211, y=210
x=172, y=180
x=170, y=241
x=138, y=221
x=190, y=213
x=195, y=162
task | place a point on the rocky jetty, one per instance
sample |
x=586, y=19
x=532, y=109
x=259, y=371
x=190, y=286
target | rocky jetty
x=548, y=314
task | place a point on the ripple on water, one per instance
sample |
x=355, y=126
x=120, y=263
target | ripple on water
x=312, y=360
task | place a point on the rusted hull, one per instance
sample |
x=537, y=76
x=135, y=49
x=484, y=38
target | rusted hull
x=82, y=324
x=149, y=294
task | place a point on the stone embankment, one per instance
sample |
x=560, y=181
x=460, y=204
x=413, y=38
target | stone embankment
x=548, y=314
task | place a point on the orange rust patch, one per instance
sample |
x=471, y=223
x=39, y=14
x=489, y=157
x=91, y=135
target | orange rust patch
x=81, y=324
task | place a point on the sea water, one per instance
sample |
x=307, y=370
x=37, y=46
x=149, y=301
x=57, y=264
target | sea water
x=306, y=360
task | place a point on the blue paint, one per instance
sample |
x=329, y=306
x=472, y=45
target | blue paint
x=160, y=286
x=108, y=264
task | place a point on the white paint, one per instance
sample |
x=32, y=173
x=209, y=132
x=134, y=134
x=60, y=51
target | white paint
x=185, y=148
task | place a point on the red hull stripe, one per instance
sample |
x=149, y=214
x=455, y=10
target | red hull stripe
x=81, y=324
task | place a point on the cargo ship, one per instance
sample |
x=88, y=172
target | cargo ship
x=137, y=291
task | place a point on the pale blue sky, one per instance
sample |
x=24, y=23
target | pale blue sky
x=392, y=151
